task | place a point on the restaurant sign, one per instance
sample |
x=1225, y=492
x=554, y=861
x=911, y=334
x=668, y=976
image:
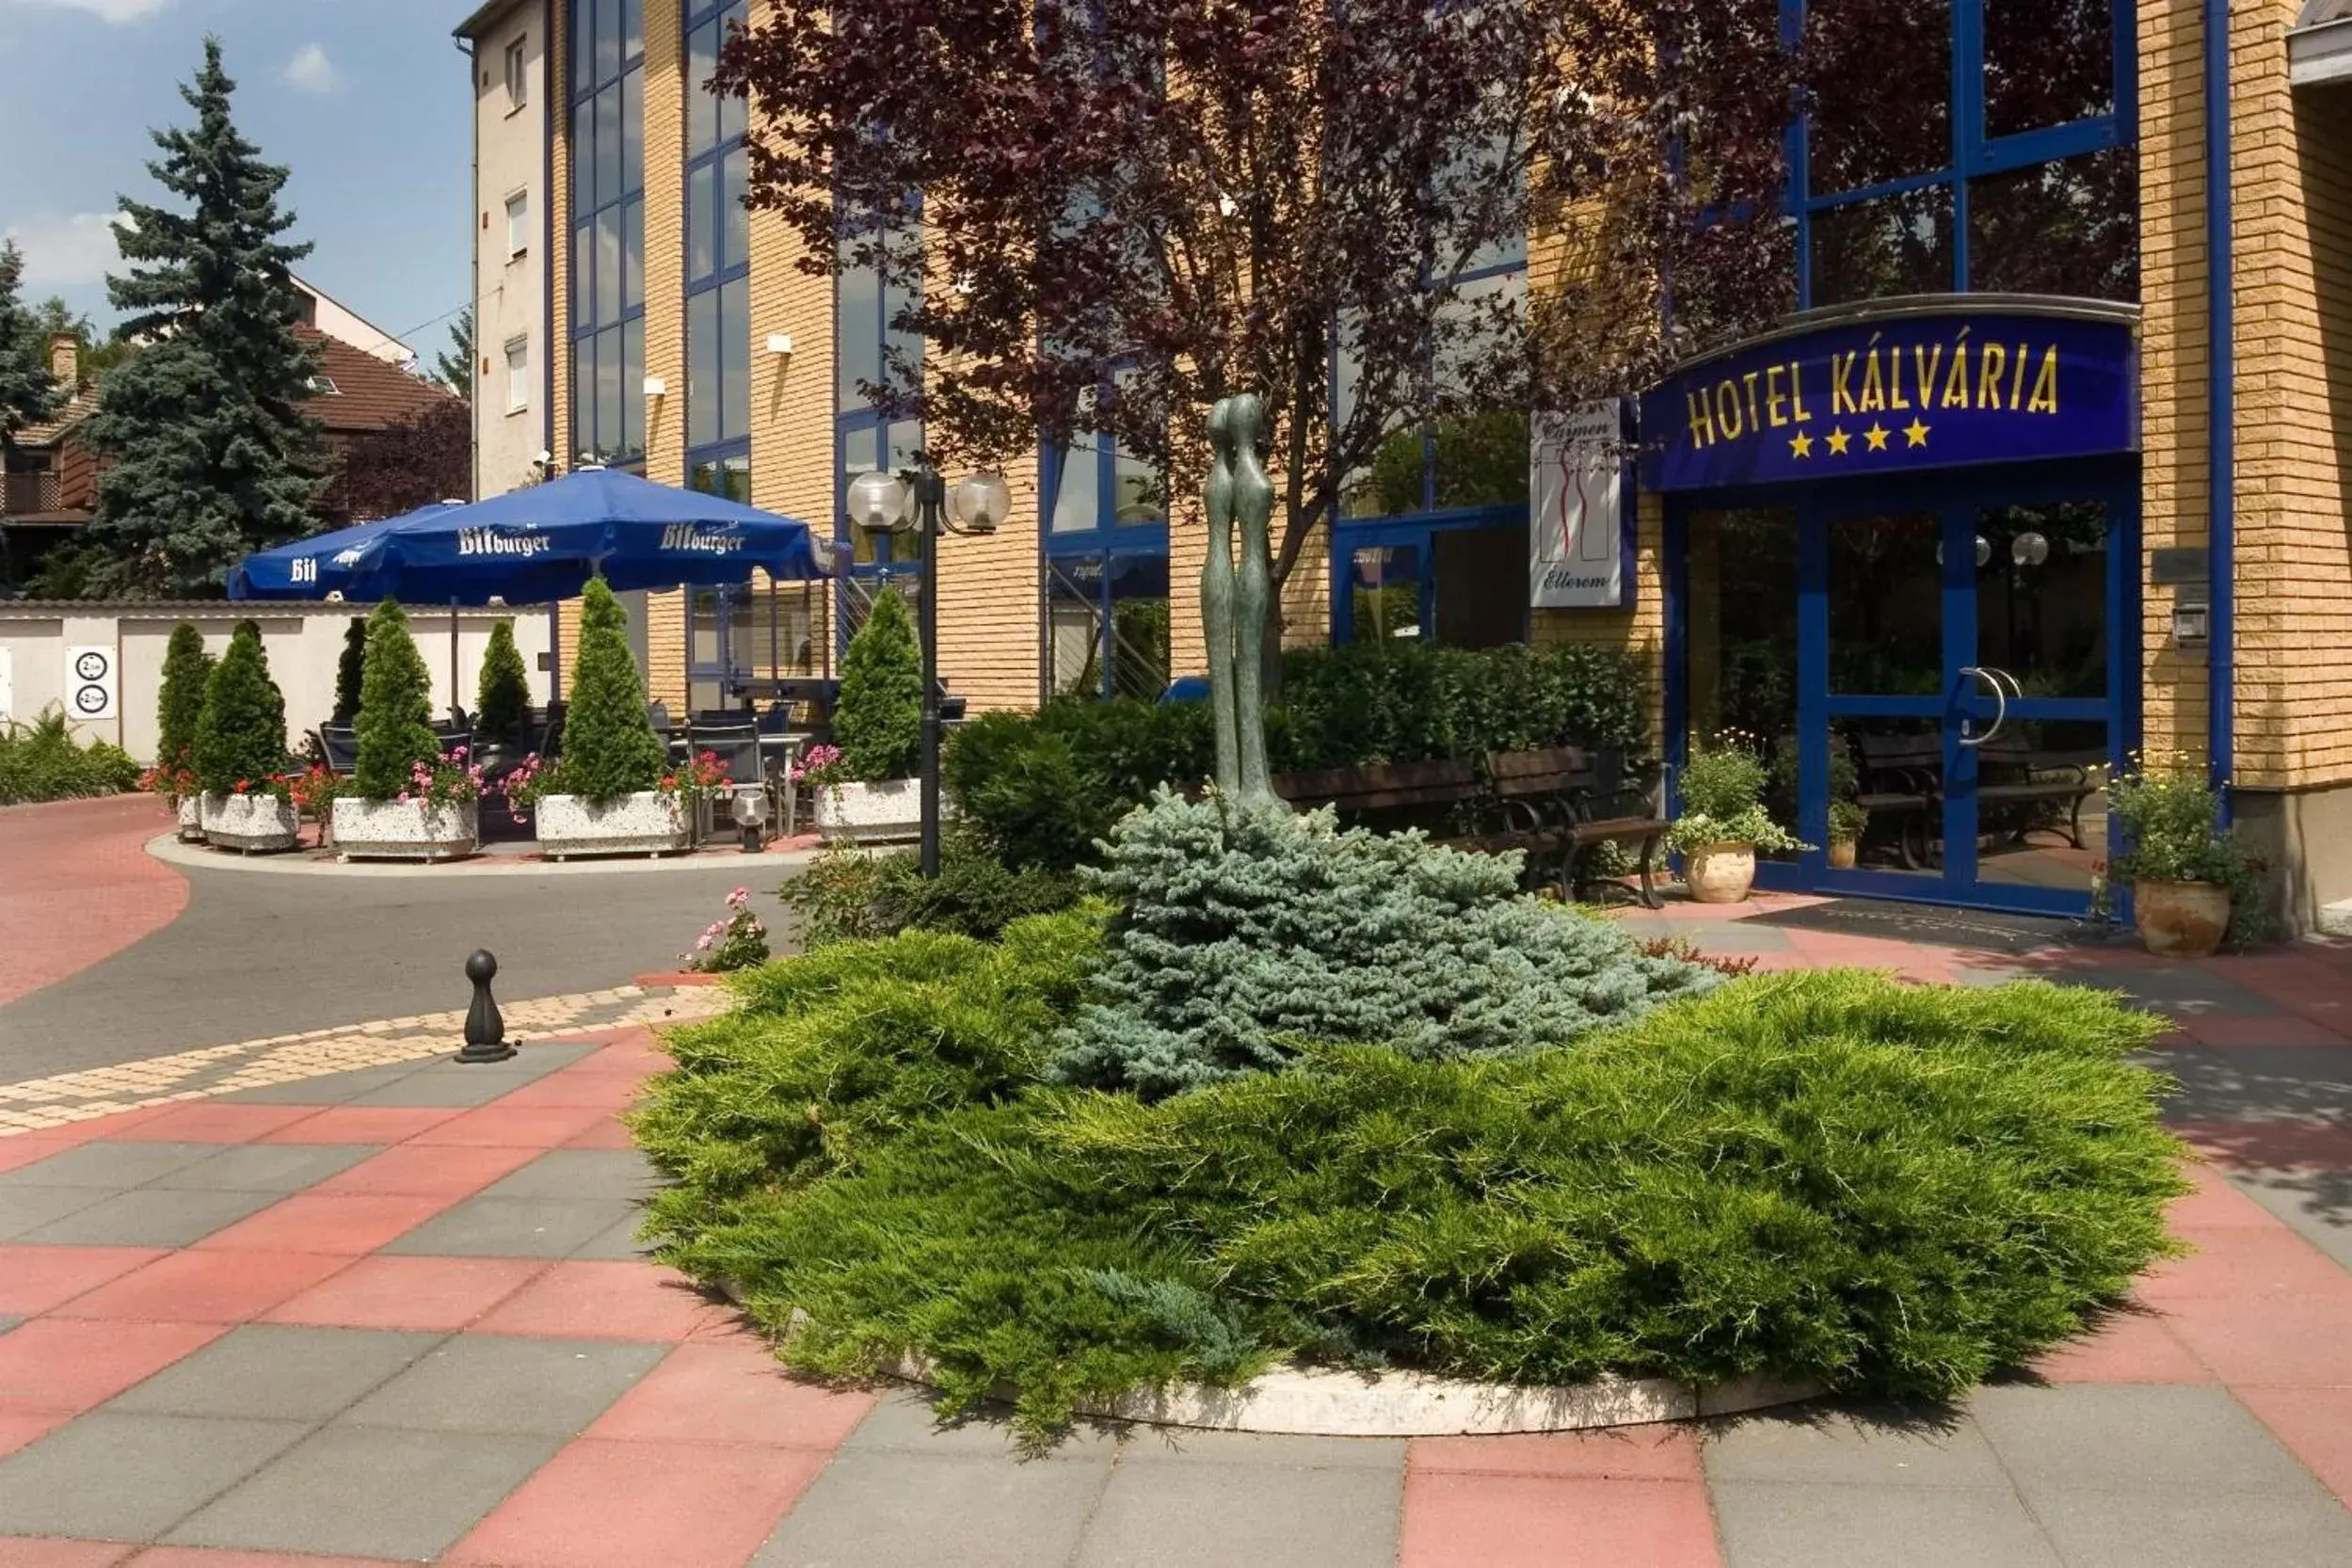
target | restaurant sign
x=1896, y=391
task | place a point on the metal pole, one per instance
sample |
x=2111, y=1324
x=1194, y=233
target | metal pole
x=453, y=658
x=930, y=491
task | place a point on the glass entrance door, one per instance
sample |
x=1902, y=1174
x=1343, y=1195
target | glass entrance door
x=1959, y=688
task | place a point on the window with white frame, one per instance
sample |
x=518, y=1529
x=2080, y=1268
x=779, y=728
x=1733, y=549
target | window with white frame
x=518, y=75
x=518, y=223
x=518, y=374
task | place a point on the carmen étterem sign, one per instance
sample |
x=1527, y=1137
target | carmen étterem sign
x=1885, y=393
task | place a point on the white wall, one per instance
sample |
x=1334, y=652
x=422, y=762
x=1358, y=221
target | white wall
x=509, y=291
x=304, y=643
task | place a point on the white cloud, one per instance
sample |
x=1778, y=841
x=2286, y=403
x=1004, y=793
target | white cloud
x=115, y=12
x=312, y=71
x=63, y=253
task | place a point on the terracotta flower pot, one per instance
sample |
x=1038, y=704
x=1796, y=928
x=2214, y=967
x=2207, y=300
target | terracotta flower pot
x=2180, y=920
x=1842, y=854
x=1721, y=873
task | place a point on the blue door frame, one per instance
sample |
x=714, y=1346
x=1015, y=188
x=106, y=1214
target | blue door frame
x=1955, y=499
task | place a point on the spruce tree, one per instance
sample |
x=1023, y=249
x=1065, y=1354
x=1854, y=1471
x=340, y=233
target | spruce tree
x=241, y=737
x=501, y=698
x=179, y=706
x=350, y=670
x=209, y=451
x=395, y=708
x=610, y=748
x=878, y=721
x=28, y=393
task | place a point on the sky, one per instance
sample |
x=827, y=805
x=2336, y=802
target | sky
x=365, y=101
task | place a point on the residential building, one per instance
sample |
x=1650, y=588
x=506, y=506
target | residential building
x=507, y=43
x=331, y=318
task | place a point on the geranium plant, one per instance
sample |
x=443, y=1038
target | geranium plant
x=448, y=780
x=2171, y=819
x=173, y=781
x=314, y=789
x=531, y=779
x=737, y=941
x=1722, y=801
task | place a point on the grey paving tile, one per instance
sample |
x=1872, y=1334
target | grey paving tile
x=1852, y=1445
x=326, y=1089
x=900, y=1509
x=115, y=1165
x=580, y=1174
x=370, y=1491
x=2148, y=1439
x=131, y=1477
x=487, y=1383
x=23, y=1209
x=263, y=1372
x=2197, y=1529
x=267, y=1168
x=1175, y=1444
x=2315, y=1204
x=433, y=1088
x=1781, y=1525
x=2225, y=1083
x=903, y=1420
x=1206, y=1515
x=616, y=1243
x=2183, y=991
x=151, y=1217
x=514, y=1227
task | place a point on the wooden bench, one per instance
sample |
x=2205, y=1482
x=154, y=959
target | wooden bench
x=1382, y=788
x=2013, y=777
x=1901, y=781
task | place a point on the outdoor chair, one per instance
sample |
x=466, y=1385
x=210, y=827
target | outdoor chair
x=736, y=746
x=550, y=730
x=339, y=746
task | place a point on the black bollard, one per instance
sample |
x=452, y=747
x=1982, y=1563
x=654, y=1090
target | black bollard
x=486, y=1032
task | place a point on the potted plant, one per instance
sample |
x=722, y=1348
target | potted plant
x=612, y=791
x=179, y=708
x=240, y=752
x=870, y=792
x=1723, y=824
x=406, y=800
x=2193, y=883
x=1847, y=822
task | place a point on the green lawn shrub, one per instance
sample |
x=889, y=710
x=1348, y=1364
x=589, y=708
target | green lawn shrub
x=1408, y=701
x=241, y=734
x=1042, y=789
x=180, y=702
x=848, y=892
x=396, y=720
x=877, y=721
x=41, y=760
x=1243, y=933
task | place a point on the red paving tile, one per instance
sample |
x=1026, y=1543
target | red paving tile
x=626, y=1505
x=2258, y=1029
x=33, y=1279
x=24, y=1150
x=23, y=1430
x=607, y=1301
x=539, y=1127
x=197, y=1286
x=2130, y=1347
x=425, y=1170
x=213, y=1122
x=731, y=1390
x=2215, y=1205
x=2280, y=1342
x=428, y=1295
x=18, y=1552
x=2244, y=1263
x=611, y=1133
x=1619, y=1453
x=55, y=1363
x=2315, y=1426
x=207, y=1557
x=2327, y=1145
x=363, y=1124
x=345, y=1222
x=567, y=1089
x=81, y=888
x=1456, y=1520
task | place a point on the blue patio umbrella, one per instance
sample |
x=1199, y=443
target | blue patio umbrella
x=320, y=564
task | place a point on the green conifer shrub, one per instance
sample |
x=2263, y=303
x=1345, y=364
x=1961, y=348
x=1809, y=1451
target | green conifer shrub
x=395, y=726
x=610, y=748
x=241, y=736
x=1041, y=789
x=878, y=719
x=1244, y=933
x=501, y=698
x=180, y=704
x=350, y=671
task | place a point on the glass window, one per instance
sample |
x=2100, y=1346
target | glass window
x=1741, y=639
x=611, y=427
x=632, y=249
x=583, y=274
x=702, y=368
x=629, y=177
x=701, y=259
x=608, y=40
x=518, y=223
x=858, y=353
x=2071, y=227
x=733, y=190
x=583, y=50
x=632, y=387
x=608, y=265
x=1886, y=246
x=702, y=109
x=2047, y=63
x=608, y=145
x=518, y=374
x=1078, y=489
x=632, y=29
x=1882, y=89
x=584, y=396
x=584, y=155
x=1385, y=590
x=518, y=75
x=735, y=359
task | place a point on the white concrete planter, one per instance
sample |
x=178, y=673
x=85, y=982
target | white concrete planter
x=407, y=829
x=191, y=814
x=649, y=823
x=873, y=814
x=249, y=823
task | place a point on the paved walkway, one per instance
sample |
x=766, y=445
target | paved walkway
x=395, y=1314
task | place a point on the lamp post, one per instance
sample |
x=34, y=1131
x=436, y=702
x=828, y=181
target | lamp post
x=919, y=501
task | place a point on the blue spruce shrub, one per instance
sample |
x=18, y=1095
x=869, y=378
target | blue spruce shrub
x=1247, y=934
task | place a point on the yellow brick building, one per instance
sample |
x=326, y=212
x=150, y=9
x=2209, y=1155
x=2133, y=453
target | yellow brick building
x=2060, y=192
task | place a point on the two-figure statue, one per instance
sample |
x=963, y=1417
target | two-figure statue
x=1234, y=597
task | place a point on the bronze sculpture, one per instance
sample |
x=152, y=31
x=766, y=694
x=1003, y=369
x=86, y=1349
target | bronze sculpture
x=1235, y=595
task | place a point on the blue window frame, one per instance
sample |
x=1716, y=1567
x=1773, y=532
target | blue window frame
x=1979, y=146
x=607, y=124
x=1104, y=565
x=871, y=351
x=717, y=262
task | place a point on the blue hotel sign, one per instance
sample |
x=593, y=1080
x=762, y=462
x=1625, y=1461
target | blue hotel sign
x=1896, y=391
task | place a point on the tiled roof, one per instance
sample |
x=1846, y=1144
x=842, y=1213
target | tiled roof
x=76, y=409
x=369, y=393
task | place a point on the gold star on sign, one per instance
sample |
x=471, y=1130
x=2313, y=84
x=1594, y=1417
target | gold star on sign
x=1878, y=435
x=1916, y=433
x=1801, y=444
x=1839, y=441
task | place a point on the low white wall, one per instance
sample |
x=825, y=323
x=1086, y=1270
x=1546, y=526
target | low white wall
x=304, y=643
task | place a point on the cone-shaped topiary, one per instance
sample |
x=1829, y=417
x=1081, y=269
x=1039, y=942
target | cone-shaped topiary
x=179, y=706
x=502, y=700
x=610, y=750
x=241, y=737
x=350, y=671
x=395, y=709
x=879, y=719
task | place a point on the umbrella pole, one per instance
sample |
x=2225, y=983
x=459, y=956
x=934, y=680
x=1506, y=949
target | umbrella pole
x=554, y=652
x=453, y=658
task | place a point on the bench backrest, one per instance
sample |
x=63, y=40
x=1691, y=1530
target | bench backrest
x=1888, y=759
x=1380, y=787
